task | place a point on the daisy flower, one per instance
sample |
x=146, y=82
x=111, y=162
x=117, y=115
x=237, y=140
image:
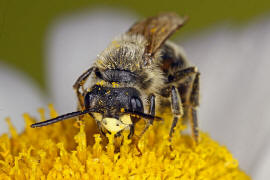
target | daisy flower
x=233, y=62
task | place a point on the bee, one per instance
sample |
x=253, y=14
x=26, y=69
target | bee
x=139, y=73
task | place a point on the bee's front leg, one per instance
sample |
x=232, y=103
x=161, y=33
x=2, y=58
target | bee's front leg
x=131, y=131
x=177, y=108
x=79, y=84
x=152, y=111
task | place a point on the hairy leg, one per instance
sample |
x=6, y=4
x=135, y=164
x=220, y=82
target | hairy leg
x=177, y=108
x=78, y=86
x=152, y=111
x=187, y=81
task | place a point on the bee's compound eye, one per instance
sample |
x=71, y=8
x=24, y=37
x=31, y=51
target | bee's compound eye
x=136, y=104
x=133, y=103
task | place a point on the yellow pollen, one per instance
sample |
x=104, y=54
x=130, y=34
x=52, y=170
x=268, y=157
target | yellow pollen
x=66, y=150
x=114, y=84
x=163, y=29
x=115, y=44
x=153, y=30
x=100, y=83
x=99, y=61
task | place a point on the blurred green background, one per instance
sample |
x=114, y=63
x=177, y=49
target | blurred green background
x=23, y=23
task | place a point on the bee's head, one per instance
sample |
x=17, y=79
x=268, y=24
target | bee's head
x=114, y=109
x=118, y=106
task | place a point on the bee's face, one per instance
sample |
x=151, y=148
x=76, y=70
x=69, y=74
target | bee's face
x=113, y=102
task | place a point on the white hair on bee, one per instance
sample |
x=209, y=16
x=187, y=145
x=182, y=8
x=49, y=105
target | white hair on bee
x=124, y=53
x=136, y=39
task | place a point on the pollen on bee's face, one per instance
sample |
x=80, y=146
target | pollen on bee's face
x=113, y=124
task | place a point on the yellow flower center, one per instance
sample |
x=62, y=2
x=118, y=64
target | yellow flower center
x=64, y=151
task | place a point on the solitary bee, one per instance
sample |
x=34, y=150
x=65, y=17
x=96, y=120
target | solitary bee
x=138, y=74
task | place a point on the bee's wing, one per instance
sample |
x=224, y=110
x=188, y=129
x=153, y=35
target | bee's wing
x=157, y=29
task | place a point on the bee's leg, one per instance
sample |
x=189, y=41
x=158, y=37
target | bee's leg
x=192, y=111
x=187, y=81
x=79, y=85
x=131, y=131
x=100, y=129
x=152, y=111
x=183, y=74
x=189, y=87
x=177, y=108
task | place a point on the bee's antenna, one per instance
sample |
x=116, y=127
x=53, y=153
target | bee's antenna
x=143, y=115
x=62, y=117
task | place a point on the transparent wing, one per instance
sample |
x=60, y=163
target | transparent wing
x=157, y=29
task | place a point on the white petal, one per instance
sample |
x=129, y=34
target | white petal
x=261, y=172
x=234, y=65
x=73, y=44
x=18, y=94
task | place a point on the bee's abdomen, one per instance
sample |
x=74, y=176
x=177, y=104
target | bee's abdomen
x=172, y=58
x=172, y=61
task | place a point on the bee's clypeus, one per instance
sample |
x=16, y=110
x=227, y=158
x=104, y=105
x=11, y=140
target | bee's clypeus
x=138, y=74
